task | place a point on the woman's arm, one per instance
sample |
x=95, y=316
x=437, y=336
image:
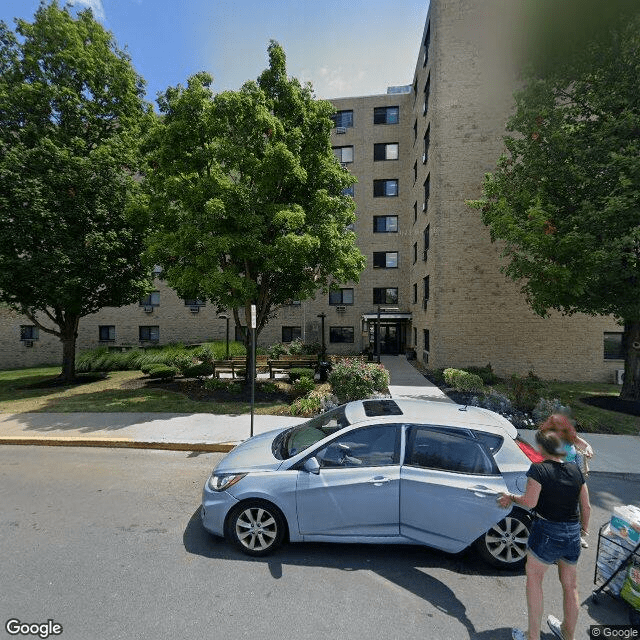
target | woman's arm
x=584, y=447
x=528, y=500
x=585, y=508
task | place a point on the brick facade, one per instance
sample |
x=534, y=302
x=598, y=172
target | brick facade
x=473, y=315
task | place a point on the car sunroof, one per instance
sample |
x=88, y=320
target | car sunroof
x=373, y=408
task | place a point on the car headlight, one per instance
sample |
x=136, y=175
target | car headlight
x=221, y=482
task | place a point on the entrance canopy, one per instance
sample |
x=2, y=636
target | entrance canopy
x=386, y=316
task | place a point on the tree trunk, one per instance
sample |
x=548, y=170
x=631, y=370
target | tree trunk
x=68, y=337
x=631, y=345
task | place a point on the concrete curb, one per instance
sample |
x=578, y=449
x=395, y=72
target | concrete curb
x=118, y=443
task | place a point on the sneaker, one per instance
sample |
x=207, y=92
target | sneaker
x=554, y=625
x=517, y=634
x=584, y=543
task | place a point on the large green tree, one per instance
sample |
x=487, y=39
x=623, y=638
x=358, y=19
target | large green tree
x=246, y=194
x=565, y=198
x=71, y=115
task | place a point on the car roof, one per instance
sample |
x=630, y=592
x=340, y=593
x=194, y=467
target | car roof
x=435, y=412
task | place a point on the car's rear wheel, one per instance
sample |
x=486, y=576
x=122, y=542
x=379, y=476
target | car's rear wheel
x=256, y=527
x=505, y=544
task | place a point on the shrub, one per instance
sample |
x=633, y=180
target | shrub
x=486, y=373
x=162, y=371
x=355, y=380
x=462, y=380
x=276, y=350
x=296, y=373
x=302, y=386
x=306, y=407
x=201, y=370
x=268, y=387
x=215, y=384
x=525, y=391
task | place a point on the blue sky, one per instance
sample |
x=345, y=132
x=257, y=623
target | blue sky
x=343, y=48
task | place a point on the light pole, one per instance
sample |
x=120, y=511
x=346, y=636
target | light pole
x=323, y=351
x=378, y=334
x=225, y=317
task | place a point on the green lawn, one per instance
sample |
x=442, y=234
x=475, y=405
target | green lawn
x=18, y=395
x=593, y=419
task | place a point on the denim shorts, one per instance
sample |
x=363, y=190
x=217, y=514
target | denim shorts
x=552, y=541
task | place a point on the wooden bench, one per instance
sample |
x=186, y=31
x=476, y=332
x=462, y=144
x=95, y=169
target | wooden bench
x=237, y=364
x=285, y=363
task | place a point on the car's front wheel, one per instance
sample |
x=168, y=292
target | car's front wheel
x=505, y=544
x=256, y=527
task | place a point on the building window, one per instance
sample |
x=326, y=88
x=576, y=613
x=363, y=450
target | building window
x=427, y=192
x=415, y=252
x=427, y=91
x=415, y=171
x=426, y=242
x=415, y=296
x=415, y=211
x=425, y=287
x=385, y=224
x=151, y=300
x=386, y=115
x=343, y=154
x=415, y=131
x=341, y=296
x=341, y=334
x=382, y=295
x=240, y=333
x=28, y=332
x=426, y=44
x=425, y=153
x=385, y=188
x=385, y=151
x=348, y=191
x=289, y=334
x=425, y=334
x=194, y=302
x=107, y=333
x=149, y=334
x=343, y=118
x=613, y=345
x=385, y=259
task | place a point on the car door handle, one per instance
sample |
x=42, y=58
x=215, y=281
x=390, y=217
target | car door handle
x=379, y=480
x=483, y=491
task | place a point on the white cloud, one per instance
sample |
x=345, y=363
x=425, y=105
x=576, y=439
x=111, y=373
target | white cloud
x=94, y=5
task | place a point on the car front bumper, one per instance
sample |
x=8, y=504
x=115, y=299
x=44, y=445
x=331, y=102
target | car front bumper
x=215, y=507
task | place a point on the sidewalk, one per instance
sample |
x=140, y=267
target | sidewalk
x=211, y=432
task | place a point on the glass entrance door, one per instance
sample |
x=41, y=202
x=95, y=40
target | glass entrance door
x=389, y=337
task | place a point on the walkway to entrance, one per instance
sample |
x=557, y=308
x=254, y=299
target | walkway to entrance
x=408, y=382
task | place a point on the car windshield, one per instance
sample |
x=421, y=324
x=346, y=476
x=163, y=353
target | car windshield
x=296, y=439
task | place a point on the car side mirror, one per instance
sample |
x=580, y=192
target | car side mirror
x=311, y=465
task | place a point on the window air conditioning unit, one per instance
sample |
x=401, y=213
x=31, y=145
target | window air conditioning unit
x=28, y=343
x=148, y=309
x=619, y=376
x=341, y=129
x=425, y=357
x=424, y=158
x=424, y=205
x=194, y=309
x=341, y=308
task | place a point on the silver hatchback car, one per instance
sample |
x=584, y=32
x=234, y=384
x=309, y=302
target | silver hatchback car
x=376, y=471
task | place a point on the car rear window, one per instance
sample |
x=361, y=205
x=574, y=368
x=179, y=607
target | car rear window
x=376, y=408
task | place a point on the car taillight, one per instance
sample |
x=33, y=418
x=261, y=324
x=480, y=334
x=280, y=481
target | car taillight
x=529, y=451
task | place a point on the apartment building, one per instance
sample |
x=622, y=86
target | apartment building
x=432, y=281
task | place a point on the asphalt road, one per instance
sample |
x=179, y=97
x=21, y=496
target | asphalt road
x=108, y=544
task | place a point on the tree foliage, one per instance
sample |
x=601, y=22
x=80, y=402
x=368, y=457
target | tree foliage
x=246, y=194
x=565, y=198
x=71, y=115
